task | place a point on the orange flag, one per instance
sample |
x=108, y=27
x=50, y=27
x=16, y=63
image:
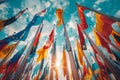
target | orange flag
x=59, y=13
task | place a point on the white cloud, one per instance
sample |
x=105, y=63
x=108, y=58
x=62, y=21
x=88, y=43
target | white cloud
x=90, y=14
x=59, y=3
x=3, y=9
x=117, y=14
x=72, y=22
x=99, y=2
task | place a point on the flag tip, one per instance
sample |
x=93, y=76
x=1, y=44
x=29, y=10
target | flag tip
x=76, y=4
x=26, y=8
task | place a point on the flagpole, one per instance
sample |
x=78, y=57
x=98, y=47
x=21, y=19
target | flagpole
x=111, y=17
x=109, y=65
x=73, y=67
x=19, y=71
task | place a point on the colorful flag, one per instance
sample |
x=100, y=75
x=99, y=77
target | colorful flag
x=116, y=37
x=59, y=13
x=83, y=23
x=106, y=45
x=64, y=62
x=104, y=25
x=81, y=38
x=4, y=23
x=42, y=52
x=5, y=51
x=22, y=35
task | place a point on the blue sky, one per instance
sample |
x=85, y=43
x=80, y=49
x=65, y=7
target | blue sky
x=12, y=7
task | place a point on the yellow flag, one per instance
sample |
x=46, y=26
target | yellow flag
x=59, y=13
x=80, y=53
x=97, y=40
x=7, y=50
x=42, y=53
x=1, y=25
x=88, y=75
x=99, y=23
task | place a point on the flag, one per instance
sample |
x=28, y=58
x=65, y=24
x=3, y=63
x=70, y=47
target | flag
x=64, y=62
x=114, y=69
x=4, y=23
x=42, y=52
x=88, y=75
x=80, y=53
x=102, y=71
x=4, y=52
x=22, y=35
x=104, y=25
x=81, y=38
x=59, y=13
x=83, y=23
x=106, y=45
x=116, y=37
x=3, y=68
x=97, y=40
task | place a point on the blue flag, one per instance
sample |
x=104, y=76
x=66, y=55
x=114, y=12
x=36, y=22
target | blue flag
x=22, y=35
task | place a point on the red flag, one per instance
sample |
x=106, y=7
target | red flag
x=51, y=39
x=104, y=25
x=81, y=37
x=83, y=23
